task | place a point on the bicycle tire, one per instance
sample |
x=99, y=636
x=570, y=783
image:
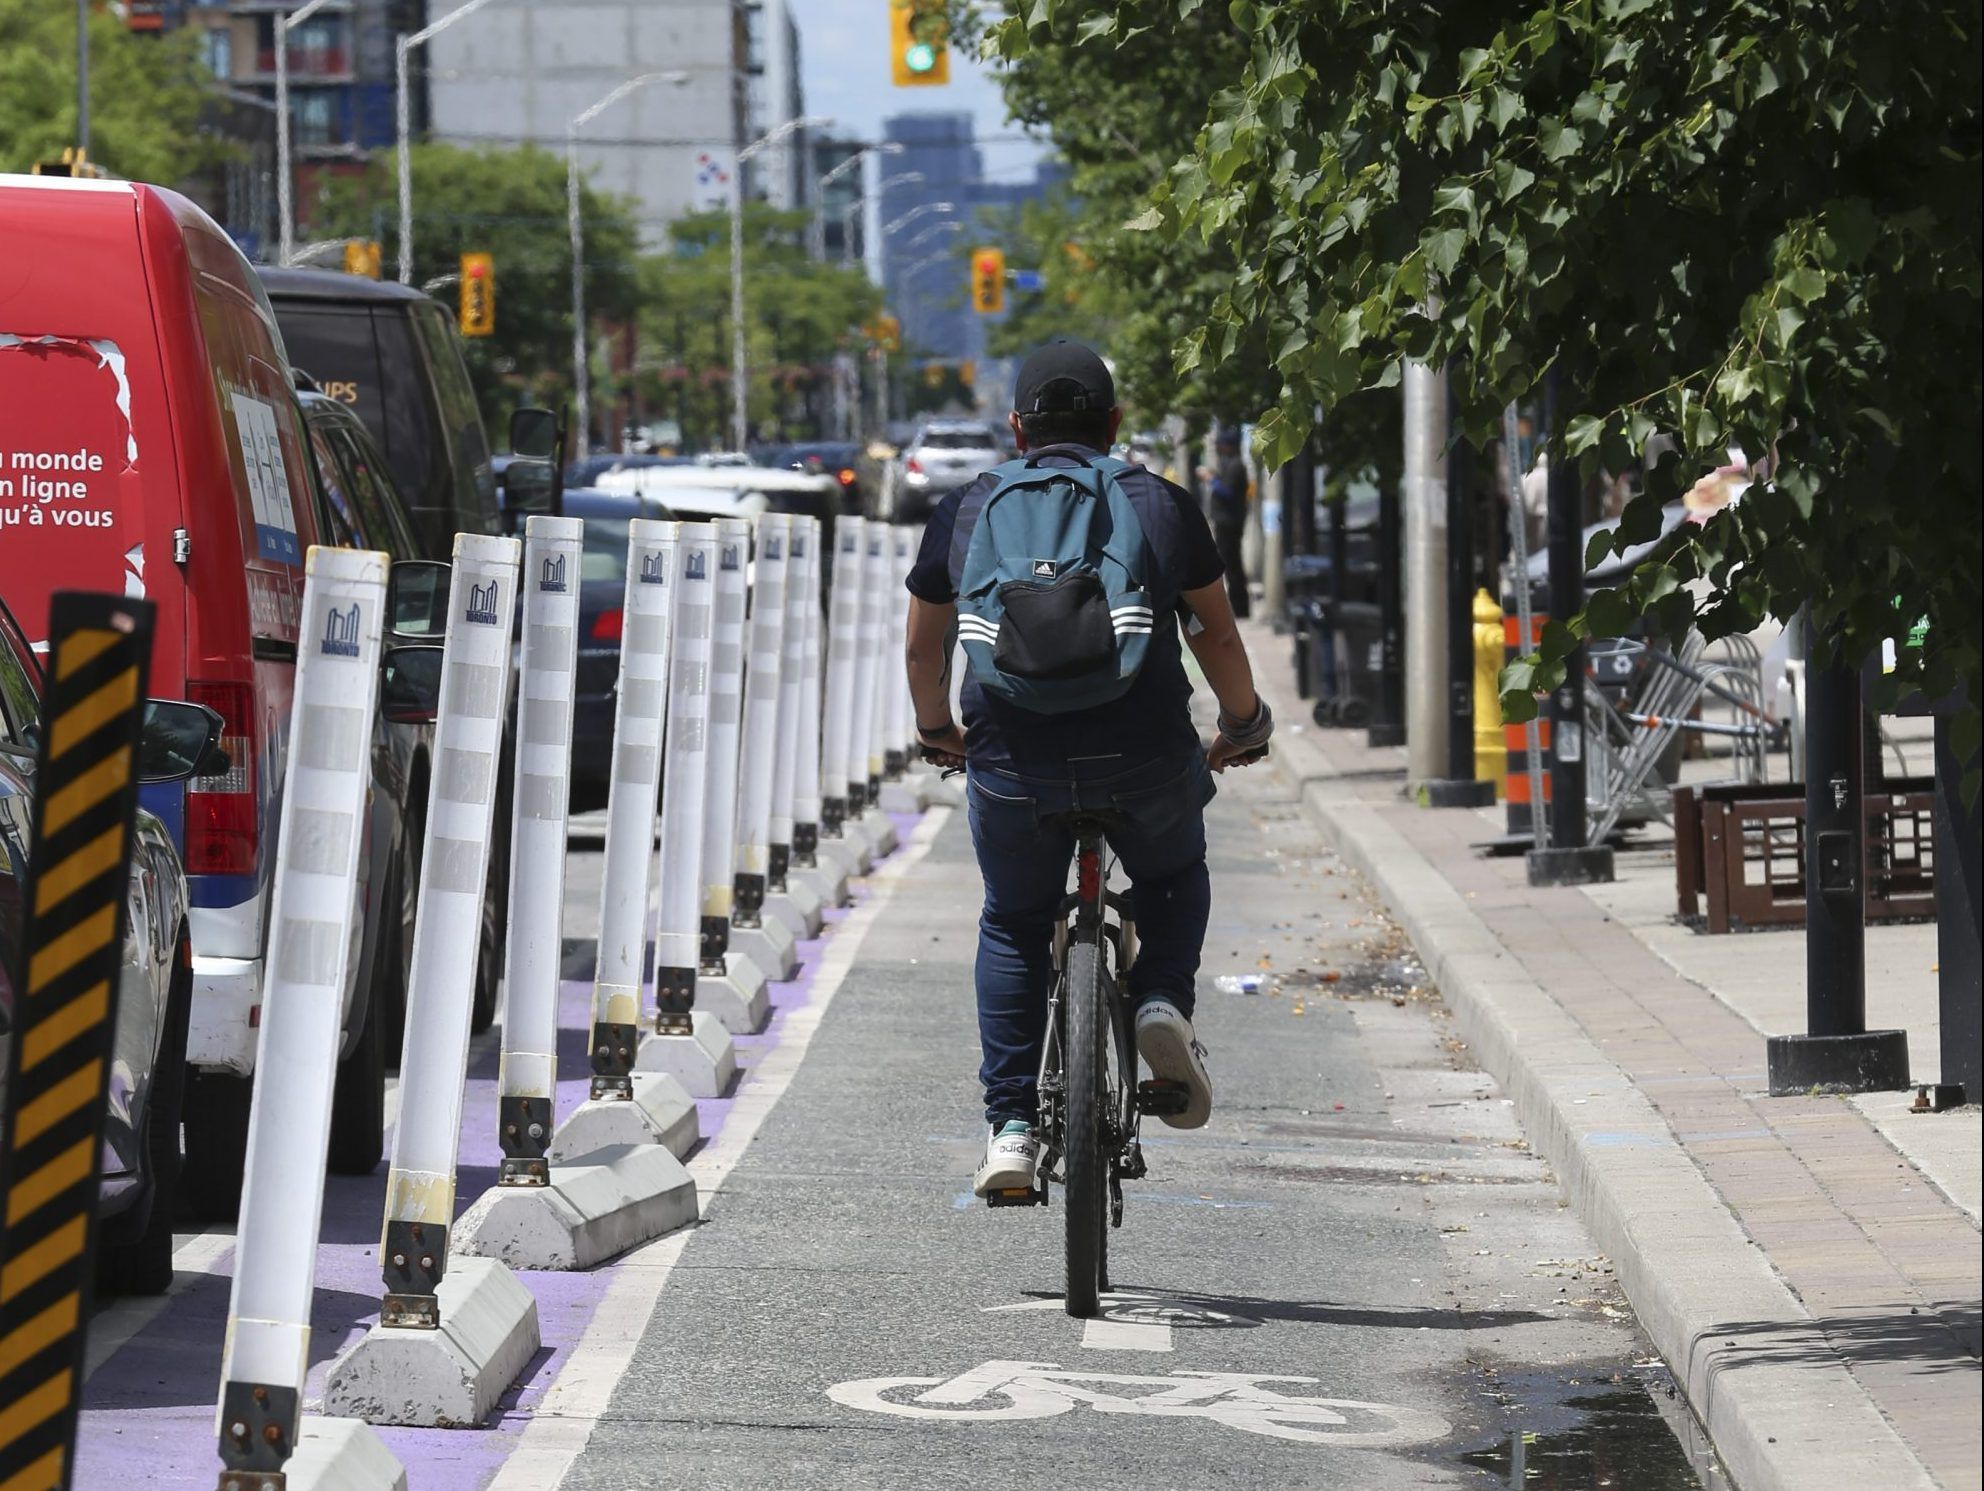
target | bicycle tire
x=1086, y=1166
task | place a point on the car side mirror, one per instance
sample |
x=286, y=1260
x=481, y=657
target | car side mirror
x=410, y=693
x=534, y=481
x=178, y=741
x=417, y=597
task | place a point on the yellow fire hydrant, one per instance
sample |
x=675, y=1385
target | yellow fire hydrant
x=1491, y=752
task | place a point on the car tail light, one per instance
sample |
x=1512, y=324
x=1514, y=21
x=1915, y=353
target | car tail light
x=913, y=465
x=222, y=823
x=608, y=625
x=846, y=477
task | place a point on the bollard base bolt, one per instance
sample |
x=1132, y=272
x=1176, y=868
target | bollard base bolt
x=747, y=901
x=894, y=763
x=613, y=1050
x=833, y=813
x=258, y=1423
x=715, y=943
x=411, y=1311
x=806, y=845
x=414, y=1262
x=778, y=861
x=674, y=994
x=523, y=1126
x=1937, y=1097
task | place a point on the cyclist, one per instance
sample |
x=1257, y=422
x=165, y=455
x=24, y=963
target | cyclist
x=1137, y=756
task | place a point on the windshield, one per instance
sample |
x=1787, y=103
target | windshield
x=978, y=439
x=604, y=552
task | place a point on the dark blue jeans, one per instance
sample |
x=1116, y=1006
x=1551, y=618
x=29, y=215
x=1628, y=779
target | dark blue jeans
x=1160, y=841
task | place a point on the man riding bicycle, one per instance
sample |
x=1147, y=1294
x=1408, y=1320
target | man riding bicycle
x=1040, y=646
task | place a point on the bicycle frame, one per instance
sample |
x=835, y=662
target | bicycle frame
x=1092, y=911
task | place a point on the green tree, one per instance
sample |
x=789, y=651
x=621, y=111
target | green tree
x=1729, y=221
x=799, y=315
x=146, y=94
x=509, y=203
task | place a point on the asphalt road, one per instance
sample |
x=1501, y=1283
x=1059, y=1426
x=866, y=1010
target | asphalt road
x=1356, y=1276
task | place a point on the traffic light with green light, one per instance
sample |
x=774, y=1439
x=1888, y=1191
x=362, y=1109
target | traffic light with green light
x=920, y=42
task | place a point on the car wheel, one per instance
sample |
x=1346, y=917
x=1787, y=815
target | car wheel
x=358, y=1100
x=216, y=1143
x=144, y=1264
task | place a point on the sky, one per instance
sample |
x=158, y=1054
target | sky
x=844, y=56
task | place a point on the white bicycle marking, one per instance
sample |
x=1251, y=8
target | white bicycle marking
x=1135, y=1320
x=1238, y=1400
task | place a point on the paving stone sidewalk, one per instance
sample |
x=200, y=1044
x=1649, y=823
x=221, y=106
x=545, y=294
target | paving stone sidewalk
x=1884, y=1264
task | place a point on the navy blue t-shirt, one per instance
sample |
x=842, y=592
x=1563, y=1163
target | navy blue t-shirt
x=1152, y=720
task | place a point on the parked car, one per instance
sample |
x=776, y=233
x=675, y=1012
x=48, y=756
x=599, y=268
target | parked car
x=857, y=473
x=602, y=593
x=394, y=356
x=358, y=508
x=154, y=996
x=585, y=473
x=171, y=463
x=943, y=455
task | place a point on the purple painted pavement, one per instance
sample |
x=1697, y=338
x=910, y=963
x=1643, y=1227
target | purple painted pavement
x=148, y=1412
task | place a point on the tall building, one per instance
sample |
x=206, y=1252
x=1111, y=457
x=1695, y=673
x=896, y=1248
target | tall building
x=781, y=175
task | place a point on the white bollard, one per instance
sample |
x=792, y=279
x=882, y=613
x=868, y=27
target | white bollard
x=794, y=898
x=901, y=786
x=823, y=874
x=267, y=1352
x=759, y=747
x=877, y=570
x=527, y=1080
x=837, y=728
x=599, y=1201
x=689, y=1044
x=744, y=956
x=406, y=1370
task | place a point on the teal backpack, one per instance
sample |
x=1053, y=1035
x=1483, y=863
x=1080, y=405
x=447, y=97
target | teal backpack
x=1051, y=572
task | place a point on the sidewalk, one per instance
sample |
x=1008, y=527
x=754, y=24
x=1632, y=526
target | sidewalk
x=1809, y=1267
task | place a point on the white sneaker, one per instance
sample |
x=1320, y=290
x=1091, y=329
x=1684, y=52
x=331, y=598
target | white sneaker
x=1173, y=1054
x=1010, y=1156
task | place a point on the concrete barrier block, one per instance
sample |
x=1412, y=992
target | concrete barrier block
x=661, y=1112
x=881, y=830
x=704, y=1061
x=450, y=1377
x=736, y=996
x=770, y=945
x=851, y=853
x=597, y=1207
x=797, y=908
x=339, y=1455
x=902, y=796
x=827, y=880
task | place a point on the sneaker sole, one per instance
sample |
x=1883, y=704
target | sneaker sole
x=986, y=1182
x=1168, y=1054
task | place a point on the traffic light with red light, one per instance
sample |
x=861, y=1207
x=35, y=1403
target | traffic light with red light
x=988, y=281
x=478, y=305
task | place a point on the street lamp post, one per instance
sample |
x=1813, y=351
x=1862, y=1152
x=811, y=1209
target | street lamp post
x=914, y=213
x=285, y=187
x=901, y=178
x=404, y=111
x=575, y=223
x=952, y=226
x=819, y=226
x=739, y=375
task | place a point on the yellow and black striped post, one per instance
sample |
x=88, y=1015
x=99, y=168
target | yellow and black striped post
x=58, y=1062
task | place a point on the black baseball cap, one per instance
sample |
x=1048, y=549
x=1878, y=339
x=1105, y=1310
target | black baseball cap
x=1065, y=378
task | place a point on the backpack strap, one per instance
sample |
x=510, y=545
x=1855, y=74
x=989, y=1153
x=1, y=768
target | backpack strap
x=970, y=506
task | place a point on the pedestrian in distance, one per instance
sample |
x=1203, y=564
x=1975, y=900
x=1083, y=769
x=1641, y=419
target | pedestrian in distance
x=1078, y=699
x=1228, y=485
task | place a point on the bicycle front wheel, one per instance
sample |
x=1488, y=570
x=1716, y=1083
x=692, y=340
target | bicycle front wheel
x=1086, y=1160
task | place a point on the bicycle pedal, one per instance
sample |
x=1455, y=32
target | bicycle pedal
x=1019, y=1196
x=1161, y=1098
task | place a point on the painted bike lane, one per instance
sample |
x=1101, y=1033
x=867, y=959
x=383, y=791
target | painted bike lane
x=1307, y=1289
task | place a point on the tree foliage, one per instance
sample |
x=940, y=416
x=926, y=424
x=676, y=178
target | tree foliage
x=146, y=94
x=509, y=203
x=1749, y=223
x=799, y=315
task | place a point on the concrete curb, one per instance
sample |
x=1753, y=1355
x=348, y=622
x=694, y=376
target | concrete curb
x=1744, y=1350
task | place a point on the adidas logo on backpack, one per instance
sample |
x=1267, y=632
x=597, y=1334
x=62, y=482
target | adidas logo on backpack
x=1051, y=571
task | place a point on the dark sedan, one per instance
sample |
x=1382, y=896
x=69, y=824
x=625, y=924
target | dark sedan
x=602, y=590
x=859, y=476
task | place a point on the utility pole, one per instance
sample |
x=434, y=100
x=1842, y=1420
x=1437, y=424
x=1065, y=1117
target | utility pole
x=1457, y=787
x=1568, y=860
x=285, y=169
x=1425, y=422
x=82, y=80
x=403, y=112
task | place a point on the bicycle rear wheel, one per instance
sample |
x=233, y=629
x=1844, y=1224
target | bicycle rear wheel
x=1087, y=1161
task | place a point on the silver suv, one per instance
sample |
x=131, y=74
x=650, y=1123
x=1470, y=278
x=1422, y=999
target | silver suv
x=946, y=454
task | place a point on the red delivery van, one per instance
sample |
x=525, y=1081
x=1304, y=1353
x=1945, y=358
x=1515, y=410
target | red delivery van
x=150, y=443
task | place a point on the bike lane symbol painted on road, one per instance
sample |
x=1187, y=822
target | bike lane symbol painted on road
x=1237, y=1400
